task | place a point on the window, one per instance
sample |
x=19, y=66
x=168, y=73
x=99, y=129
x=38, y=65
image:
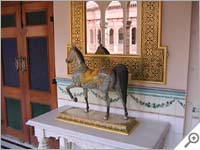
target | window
x=111, y=36
x=133, y=36
x=119, y=18
x=121, y=36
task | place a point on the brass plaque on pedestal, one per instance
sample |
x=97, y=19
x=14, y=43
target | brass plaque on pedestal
x=94, y=119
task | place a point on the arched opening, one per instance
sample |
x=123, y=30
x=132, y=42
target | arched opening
x=99, y=36
x=111, y=38
x=133, y=35
x=91, y=36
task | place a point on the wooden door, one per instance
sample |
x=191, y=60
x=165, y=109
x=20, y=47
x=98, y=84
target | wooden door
x=13, y=99
x=34, y=92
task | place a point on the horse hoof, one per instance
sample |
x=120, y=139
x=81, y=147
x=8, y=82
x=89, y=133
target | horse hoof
x=86, y=110
x=105, y=117
x=125, y=117
x=75, y=99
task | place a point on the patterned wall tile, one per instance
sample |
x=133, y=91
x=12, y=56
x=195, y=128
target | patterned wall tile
x=153, y=100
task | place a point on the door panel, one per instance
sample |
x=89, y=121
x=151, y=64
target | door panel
x=38, y=63
x=27, y=34
x=36, y=18
x=38, y=109
x=9, y=56
x=14, y=113
x=8, y=20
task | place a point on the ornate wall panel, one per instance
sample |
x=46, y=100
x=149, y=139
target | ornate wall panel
x=149, y=66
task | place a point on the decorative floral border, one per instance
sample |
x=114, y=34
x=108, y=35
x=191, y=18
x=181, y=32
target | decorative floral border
x=164, y=97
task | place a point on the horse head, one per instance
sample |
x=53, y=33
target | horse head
x=71, y=55
x=75, y=55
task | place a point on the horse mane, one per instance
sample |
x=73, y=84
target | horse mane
x=80, y=55
x=102, y=50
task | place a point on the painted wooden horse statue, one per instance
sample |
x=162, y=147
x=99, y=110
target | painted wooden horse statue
x=103, y=79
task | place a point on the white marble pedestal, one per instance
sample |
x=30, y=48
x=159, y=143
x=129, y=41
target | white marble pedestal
x=148, y=134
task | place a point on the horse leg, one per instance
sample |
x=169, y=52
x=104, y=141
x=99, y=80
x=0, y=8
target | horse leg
x=124, y=105
x=70, y=94
x=108, y=106
x=125, y=112
x=85, y=93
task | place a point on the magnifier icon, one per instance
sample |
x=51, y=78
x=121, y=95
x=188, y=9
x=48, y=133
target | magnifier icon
x=193, y=138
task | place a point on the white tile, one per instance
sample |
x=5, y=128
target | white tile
x=170, y=109
x=179, y=110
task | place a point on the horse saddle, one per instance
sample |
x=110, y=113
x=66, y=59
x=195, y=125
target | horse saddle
x=90, y=75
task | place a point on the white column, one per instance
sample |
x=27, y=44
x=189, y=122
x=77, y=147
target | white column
x=103, y=26
x=63, y=143
x=128, y=36
x=198, y=81
x=116, y=38
x=42, y=140
x=125, y=19
x=189, y=103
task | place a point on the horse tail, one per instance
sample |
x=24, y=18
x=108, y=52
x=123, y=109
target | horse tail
x=121, y=78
